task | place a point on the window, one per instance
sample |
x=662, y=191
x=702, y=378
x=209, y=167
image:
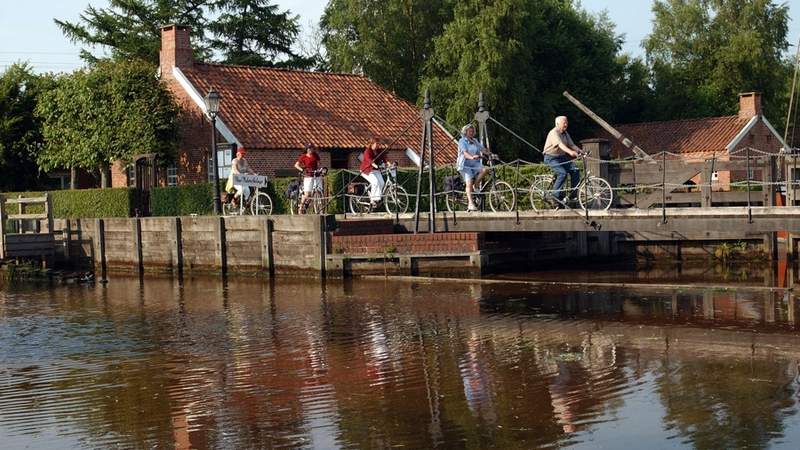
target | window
x=130, y=171
x=172, y=175
x=224, y=158
x=340, y=159
x=57, y=180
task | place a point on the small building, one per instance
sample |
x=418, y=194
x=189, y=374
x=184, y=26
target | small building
x=705, y=138
x=273, y=113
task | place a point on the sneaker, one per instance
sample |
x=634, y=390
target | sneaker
x=471, y=208
x=373, y=205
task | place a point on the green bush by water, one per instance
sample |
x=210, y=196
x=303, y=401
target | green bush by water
x=84, y=203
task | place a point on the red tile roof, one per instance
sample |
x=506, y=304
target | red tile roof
x=692, y=136
x=269, y=108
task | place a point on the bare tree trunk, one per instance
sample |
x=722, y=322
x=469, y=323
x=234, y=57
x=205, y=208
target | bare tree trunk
x=73, y=178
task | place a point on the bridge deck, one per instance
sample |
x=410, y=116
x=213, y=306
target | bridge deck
x=681, y=223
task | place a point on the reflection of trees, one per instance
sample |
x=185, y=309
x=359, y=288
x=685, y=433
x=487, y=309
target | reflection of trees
x=726, y=403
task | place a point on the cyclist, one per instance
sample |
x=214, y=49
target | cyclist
x=469, y=163
x=372, y=159
x=239, y=166
x=308, y=165
x=559, y=150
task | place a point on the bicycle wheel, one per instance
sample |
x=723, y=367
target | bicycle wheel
x=359, y=202
x=596, y=193
x=396, y=201
x=261, y=204
x=540, y=191
x=456, y=201
x=316, y=202
x=502, y=197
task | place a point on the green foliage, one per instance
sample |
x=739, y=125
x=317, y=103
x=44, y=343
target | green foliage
x=109, y=112
x=90, y=203
x=85, y=203
x=250, y=32
x=702, y=53
x=523, y=55
x=132, y=28
x=20, y=129
x=182, y=200
x=255, y=33
x=387, y=40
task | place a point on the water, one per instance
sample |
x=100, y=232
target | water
x=377, y=364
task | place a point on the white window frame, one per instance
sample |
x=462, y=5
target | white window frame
x=172, y=175
x=224, y=159
x=130, y=172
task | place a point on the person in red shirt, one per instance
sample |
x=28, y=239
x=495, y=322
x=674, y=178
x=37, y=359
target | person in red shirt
x=308, y=164
x=372, y=159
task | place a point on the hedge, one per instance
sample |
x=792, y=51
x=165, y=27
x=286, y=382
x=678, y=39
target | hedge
x=85, y=203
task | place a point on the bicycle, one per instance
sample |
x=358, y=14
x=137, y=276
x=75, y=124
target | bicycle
x=501, y=195
x=316, y=201
x=395, y=196
x=593, y=192
x=259, y=204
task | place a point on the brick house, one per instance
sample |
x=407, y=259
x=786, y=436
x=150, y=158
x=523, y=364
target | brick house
x=701, y=139
x=273, y=113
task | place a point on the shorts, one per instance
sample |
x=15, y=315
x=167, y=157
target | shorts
x=470, y=172
x=311, y=184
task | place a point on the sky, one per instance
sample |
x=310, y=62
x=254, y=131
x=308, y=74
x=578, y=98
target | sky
x=27, y=31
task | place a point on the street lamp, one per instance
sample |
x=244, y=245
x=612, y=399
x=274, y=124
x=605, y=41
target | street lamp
x=212, y=108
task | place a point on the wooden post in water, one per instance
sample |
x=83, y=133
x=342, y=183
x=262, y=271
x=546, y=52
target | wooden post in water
x=100, y=232
x=266, y=247
x=177, y=246
x=222, y=256
x=2, y=227
x=67, y=238
x=136, y=230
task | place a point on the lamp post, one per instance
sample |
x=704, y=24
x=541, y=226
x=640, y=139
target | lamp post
x=212, y=108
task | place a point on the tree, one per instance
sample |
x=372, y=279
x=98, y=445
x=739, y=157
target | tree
x=389, y=41
x=20, y=129
x=702, y=53
x=523, y=55
x=255, y=33
x=131, y=29
x=111, y=111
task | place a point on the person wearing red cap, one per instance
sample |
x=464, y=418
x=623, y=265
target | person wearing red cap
x=239, y=166
x=308, y=163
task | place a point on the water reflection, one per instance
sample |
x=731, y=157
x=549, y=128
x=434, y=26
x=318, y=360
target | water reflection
x=247, y=364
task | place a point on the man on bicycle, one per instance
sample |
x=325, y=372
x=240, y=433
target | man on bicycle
x=559, y=150
x=372, y=160
x=470, y=163
x=308, y=164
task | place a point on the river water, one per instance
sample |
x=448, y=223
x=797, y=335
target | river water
x=246, y=363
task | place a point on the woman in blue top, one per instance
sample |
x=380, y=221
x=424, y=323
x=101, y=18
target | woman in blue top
x=469, y=163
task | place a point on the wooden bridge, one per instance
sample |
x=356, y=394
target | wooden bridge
x=21, y=235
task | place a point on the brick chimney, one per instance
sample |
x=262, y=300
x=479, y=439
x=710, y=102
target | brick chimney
x=749, y=105
x=176, y=48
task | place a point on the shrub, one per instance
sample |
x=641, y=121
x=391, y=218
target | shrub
x=182, y=200
x=85, y=203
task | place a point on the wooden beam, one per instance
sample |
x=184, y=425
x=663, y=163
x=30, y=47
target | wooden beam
x=26, y=200
x=625, y=141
